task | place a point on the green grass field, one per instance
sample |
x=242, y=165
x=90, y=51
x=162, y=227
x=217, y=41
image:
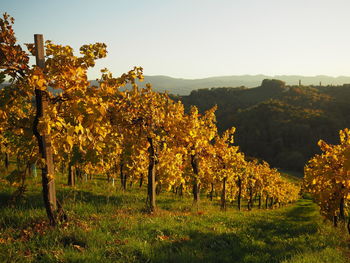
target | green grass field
x=108, y=225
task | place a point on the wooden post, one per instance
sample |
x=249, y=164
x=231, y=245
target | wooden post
x=239, y=182
x=196, y=184
x=7, y=162
x=223, y=194
x=123, y=177
x=342, y=209
x=211, y=192
x=44, y=140
x=250, y=201
x=71, y=175
x=151, y=177
x=141, y=180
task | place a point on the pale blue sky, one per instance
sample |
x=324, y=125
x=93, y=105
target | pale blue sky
x=197, y=38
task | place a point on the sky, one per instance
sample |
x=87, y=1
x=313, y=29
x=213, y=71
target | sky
x=197, y=38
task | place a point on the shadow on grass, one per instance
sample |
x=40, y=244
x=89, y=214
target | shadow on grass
x=279, y=237
x=31, y=206
x=85, y=196
x=29, y=201
x=35, y=200
x=201, y=247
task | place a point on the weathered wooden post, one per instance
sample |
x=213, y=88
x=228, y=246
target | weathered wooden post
x=223, y=194
x=71, y=175
x=44, y=140
x=151, y=177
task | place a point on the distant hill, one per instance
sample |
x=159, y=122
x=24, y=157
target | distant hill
x=277, y=122
x=179, y=86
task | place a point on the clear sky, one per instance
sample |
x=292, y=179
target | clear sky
x=197, y=38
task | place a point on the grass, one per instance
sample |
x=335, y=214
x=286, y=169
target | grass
x=108, y=225
x=292, y=176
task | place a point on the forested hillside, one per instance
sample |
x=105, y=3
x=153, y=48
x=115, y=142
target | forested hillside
x=278, y=123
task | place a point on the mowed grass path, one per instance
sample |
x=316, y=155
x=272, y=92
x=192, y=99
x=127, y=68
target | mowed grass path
x=107, y=225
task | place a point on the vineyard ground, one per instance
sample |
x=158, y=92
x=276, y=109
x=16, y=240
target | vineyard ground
x=108, y=225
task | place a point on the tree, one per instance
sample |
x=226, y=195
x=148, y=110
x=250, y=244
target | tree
x=327, y=177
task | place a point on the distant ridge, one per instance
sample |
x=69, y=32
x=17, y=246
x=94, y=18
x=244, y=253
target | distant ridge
x=181, y=86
